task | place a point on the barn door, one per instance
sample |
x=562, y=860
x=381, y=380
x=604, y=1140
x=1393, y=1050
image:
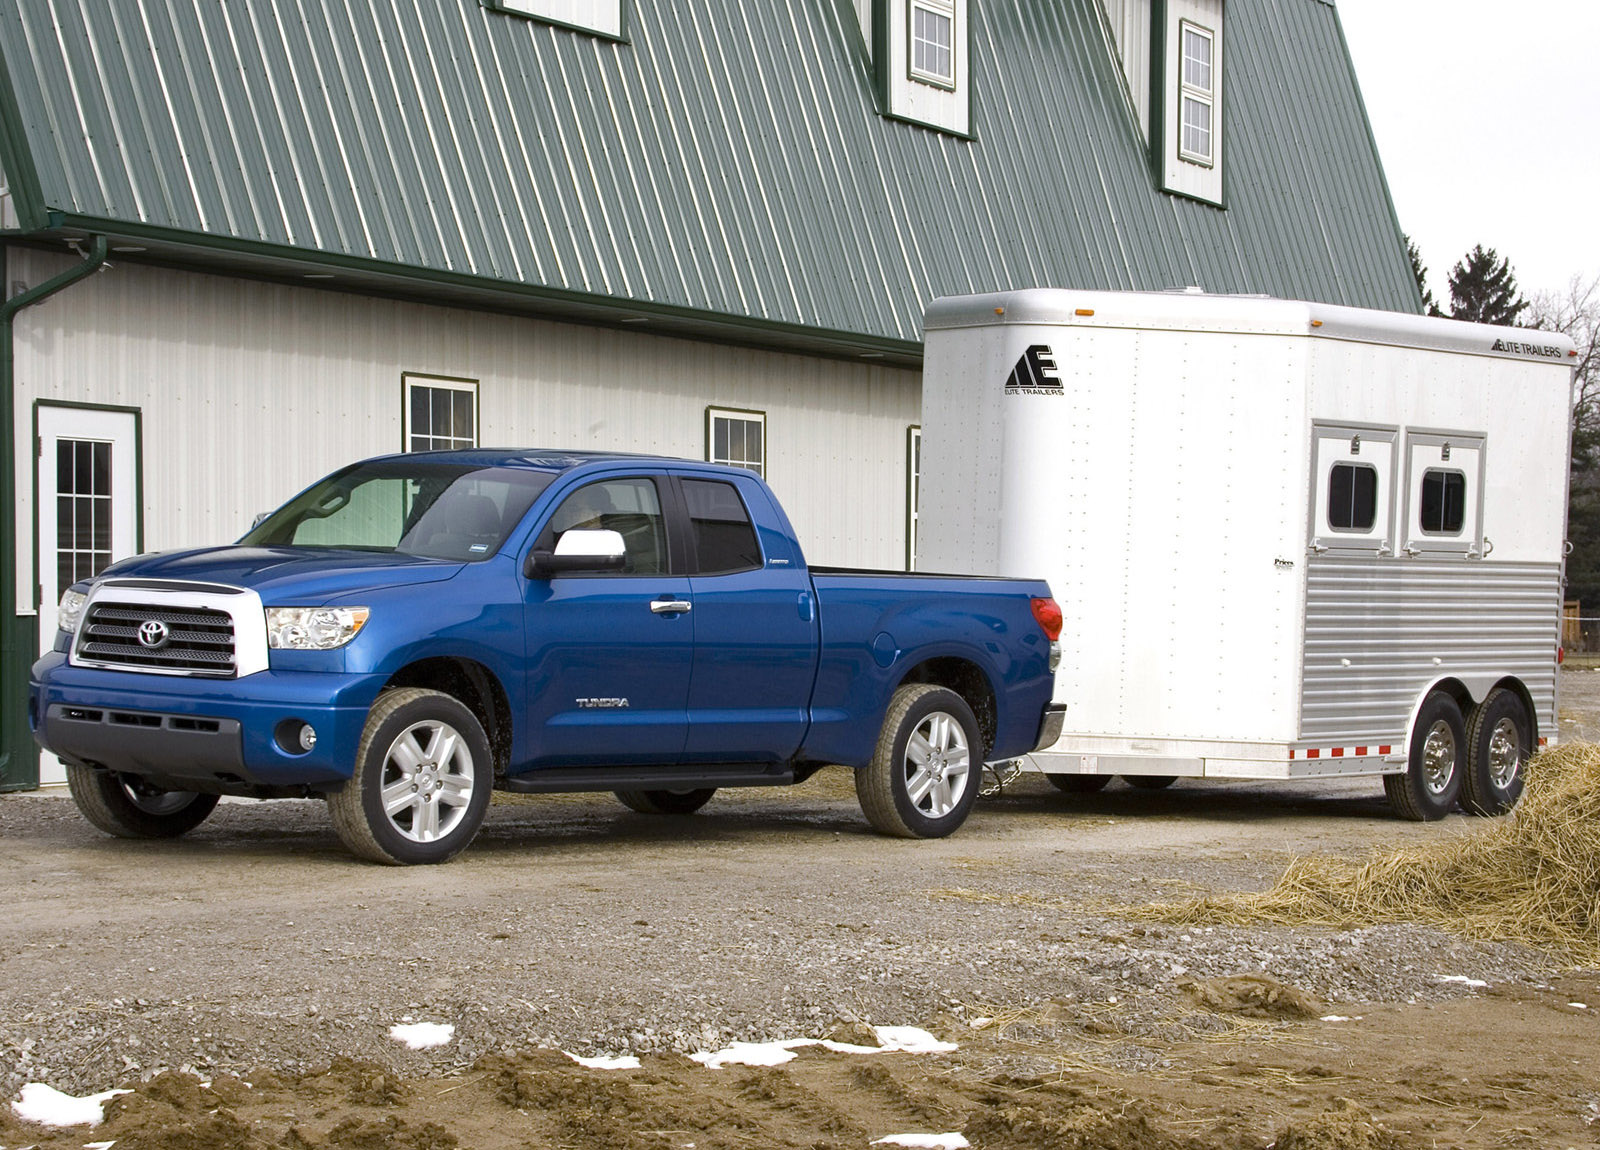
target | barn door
x=88, y=509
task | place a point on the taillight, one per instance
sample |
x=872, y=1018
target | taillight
x=1561, y=655
x=1047, y=613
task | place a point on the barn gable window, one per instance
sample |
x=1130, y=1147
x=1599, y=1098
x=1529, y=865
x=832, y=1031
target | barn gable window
x=602, y=17
x=919, y=52
x=1186, y=137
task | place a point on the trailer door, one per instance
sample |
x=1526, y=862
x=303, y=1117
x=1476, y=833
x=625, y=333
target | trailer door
x=1352, y=489
x=1444, y=494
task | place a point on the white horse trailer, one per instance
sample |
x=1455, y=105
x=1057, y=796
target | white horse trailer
x=1289, y=540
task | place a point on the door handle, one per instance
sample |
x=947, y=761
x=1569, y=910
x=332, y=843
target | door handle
x=671, y=606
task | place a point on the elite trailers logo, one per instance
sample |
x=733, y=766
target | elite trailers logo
x=1035, y=373
x=1542, y=351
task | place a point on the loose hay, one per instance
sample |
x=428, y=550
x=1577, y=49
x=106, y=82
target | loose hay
x=1532, y=877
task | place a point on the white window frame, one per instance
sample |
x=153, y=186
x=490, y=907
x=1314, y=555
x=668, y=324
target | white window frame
x=940, y=9
x=598, y=17
x=410, y=382
x=913, y=491
x=736, y=415
x=1188, y=92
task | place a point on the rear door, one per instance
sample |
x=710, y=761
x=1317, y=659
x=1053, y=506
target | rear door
x=756, y=630
x=610, y=653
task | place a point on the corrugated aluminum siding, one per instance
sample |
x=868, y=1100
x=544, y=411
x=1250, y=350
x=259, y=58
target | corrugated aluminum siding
x=728, y=159
x=1393, y=617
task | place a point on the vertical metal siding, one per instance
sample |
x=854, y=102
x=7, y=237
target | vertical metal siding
x=728, y=158
x=251, y=390
x=1393, y=618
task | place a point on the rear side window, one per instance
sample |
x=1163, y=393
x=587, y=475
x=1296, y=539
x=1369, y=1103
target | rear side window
x=1444, y=502
x=1352, y=497
x=724, y=539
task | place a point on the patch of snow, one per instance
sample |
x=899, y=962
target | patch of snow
x=1579, y=1005
x=911, y=1040
x=47, y=1106
x=422, y=1035
x=97, y=1145
x=751, y=1054
x=924, y=1141
x=1462, y=979
x=980, y=1023
x=892, y=1039
x=605, y=1061
x=1335, y=1018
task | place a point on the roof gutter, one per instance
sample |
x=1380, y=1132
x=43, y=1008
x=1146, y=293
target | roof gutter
x=19, y=758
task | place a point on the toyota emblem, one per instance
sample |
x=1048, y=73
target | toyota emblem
x=153, y=633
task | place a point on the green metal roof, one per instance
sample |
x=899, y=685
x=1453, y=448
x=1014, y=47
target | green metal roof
x=727, y=162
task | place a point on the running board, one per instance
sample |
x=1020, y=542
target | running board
x=561, y=780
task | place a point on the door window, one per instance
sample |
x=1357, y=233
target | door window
x=1444, y=500
x=724, y=539
x=630, y=507
x=1352, y=497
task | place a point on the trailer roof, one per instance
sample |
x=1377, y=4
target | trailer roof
x=1194, y=310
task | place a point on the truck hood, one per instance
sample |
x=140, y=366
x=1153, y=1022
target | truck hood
x=287, y=575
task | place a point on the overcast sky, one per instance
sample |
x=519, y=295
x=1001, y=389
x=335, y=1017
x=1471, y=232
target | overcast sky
x=1486, y=116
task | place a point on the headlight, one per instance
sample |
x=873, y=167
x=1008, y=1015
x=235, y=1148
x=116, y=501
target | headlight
x=70, y=613
x=313, y=628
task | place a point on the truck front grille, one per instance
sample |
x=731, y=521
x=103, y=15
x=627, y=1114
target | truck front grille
x=149, y=637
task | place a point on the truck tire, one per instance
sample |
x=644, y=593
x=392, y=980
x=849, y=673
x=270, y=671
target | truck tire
x=1499, y=744
x=1431, y=782
x=423, y=776
x=125, y=806
x=1150, y=782
x=665, y=802
x=925, y=771
x=1079, y=784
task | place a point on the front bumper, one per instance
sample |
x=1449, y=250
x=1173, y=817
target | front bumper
x=216, y=735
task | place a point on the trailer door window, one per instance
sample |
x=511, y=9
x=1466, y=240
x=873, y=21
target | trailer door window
x=1352, y=497
x=1353, y=483
x=1444, y=494
x=1444, y=502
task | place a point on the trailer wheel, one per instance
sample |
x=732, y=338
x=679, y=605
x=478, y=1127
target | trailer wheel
x=665, y=802
x=924, y=774
x=1079, y=784
x=1499, y=743
x=1431, y=782
x=1150, y=782
x=422, y=779
x=130, y=808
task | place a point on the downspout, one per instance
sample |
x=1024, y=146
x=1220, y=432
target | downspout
x=19, y=758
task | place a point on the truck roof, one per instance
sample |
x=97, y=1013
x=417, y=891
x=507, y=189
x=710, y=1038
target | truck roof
x=1193, y=310
x=540, y=459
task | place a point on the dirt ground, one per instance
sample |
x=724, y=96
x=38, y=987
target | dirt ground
x=255, y=957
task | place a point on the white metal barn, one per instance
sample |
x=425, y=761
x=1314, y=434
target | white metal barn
x=1290, y=540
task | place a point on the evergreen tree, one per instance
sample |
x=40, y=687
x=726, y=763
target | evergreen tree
x=1430, y=306
x=1484, y=290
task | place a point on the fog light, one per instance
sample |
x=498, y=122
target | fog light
x=294, y=736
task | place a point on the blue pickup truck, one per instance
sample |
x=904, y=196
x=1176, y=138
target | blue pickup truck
x=415, y=631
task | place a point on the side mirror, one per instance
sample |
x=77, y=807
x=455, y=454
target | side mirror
x=578, y=550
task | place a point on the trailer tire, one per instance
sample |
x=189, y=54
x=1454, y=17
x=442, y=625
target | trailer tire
x=1499, y=744
x=1150, y=782
x=125, y=806
x=1079, y=784
x=1431, y=782
x=434, y=739
x=926, y=769
x=665, y=802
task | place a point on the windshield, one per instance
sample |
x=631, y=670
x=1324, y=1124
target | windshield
x=436, y=510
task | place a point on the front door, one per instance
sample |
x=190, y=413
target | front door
x=88, y=509
x=609, y=653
